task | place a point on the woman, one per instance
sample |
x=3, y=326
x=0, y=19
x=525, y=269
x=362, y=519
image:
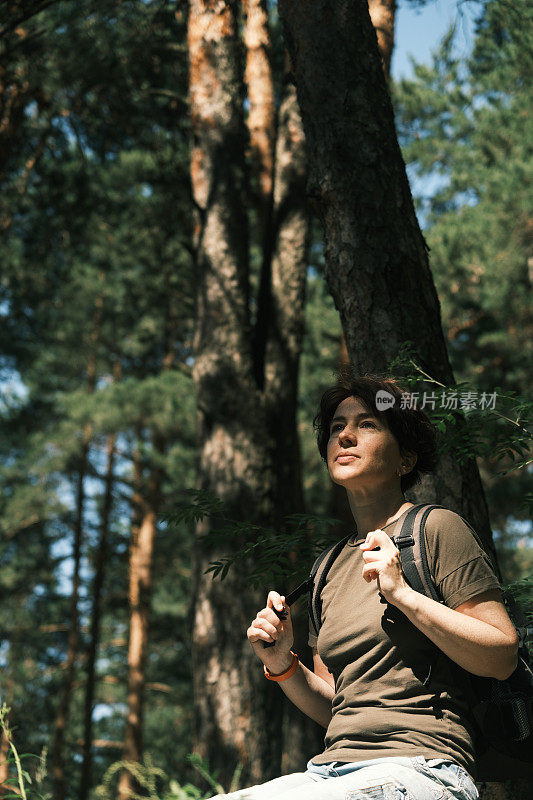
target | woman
x=394, y=728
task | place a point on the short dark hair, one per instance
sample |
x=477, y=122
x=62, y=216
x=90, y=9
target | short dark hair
x=412, y=429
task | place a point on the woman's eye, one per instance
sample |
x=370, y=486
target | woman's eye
x=337, y=427
x=367, y=422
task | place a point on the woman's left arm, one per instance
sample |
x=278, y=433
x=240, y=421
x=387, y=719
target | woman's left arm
x=478, y=634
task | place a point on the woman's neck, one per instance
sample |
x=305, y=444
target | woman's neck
x=373, y=513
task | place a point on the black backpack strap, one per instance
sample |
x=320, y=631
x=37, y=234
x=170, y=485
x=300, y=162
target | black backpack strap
x=411, y=543
x=317, y=580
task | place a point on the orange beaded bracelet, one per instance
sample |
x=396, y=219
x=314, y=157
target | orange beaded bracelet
x=283, y=675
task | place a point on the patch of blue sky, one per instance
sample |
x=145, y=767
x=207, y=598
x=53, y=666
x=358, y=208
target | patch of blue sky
x=13, y=392
x=420, y=30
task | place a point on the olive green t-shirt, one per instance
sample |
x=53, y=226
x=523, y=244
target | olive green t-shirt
x=383, y=704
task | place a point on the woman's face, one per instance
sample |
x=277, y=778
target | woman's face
x=362, y=452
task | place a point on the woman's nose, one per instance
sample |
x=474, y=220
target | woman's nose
x=346, y=436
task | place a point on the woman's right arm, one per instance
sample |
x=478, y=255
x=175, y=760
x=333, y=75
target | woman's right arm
x=311, y=692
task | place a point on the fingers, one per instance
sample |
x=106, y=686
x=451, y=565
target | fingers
x=379, y=553
x=275, y=600
x=262, y=630
x=370, y=573
x=268, y=624
x=375, y=539
x=372, y=555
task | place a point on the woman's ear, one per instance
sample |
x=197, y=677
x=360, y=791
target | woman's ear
x=408, y=460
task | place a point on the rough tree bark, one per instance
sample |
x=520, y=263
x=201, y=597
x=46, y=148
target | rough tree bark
x=376, y=257
x=236, y=714
x=285, y=324
x=94, y=635
x=279, y=167
x=147, y=504
x=262, y=111
x=383, y=16
x=236, y=461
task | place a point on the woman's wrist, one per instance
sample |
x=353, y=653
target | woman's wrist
x=279, y=662
x=286, y=673
x=403, y=597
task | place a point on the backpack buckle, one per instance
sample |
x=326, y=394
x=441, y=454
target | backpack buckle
x=405, y=541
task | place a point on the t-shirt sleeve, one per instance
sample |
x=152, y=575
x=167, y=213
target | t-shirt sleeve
x=459, y=565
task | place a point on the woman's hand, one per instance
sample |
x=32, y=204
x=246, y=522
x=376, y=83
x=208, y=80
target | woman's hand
x=384, y=565
x=268, y=627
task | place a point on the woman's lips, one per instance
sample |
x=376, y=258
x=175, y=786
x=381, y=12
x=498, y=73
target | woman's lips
x=345, y=457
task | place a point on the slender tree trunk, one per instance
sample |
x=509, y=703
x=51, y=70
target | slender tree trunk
x=290, y=231
x=382, y=14
x=376, y=257
x=140, y=587
x=94, y=637
x=73, y=636
x=262, y=111
x=4, y=771
x=279, y=168
x=16, y=93
x=285, y=320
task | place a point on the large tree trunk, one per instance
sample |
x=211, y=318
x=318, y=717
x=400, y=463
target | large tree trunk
x=94, y=636
x=376, y=257
x=140, y=588
x=238, y=713
x=383, y=15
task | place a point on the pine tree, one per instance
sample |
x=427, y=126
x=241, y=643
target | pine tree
x=466, y=135
x=97, y=268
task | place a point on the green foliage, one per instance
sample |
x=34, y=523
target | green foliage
x=522, y=591
x=466, y=133
x=19, y=782
x=479, y=424
x=97, y=310
x=156, y=784
x=262, y=554
x=148, y=777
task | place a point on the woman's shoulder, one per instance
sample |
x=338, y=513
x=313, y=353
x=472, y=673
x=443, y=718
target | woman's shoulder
x=459, y=565
x=449, y=536
x=445, y=520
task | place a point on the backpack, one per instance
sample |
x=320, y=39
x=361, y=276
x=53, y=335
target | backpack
x=502, y=710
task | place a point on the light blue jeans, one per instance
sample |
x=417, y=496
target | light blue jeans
x=379, y=779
